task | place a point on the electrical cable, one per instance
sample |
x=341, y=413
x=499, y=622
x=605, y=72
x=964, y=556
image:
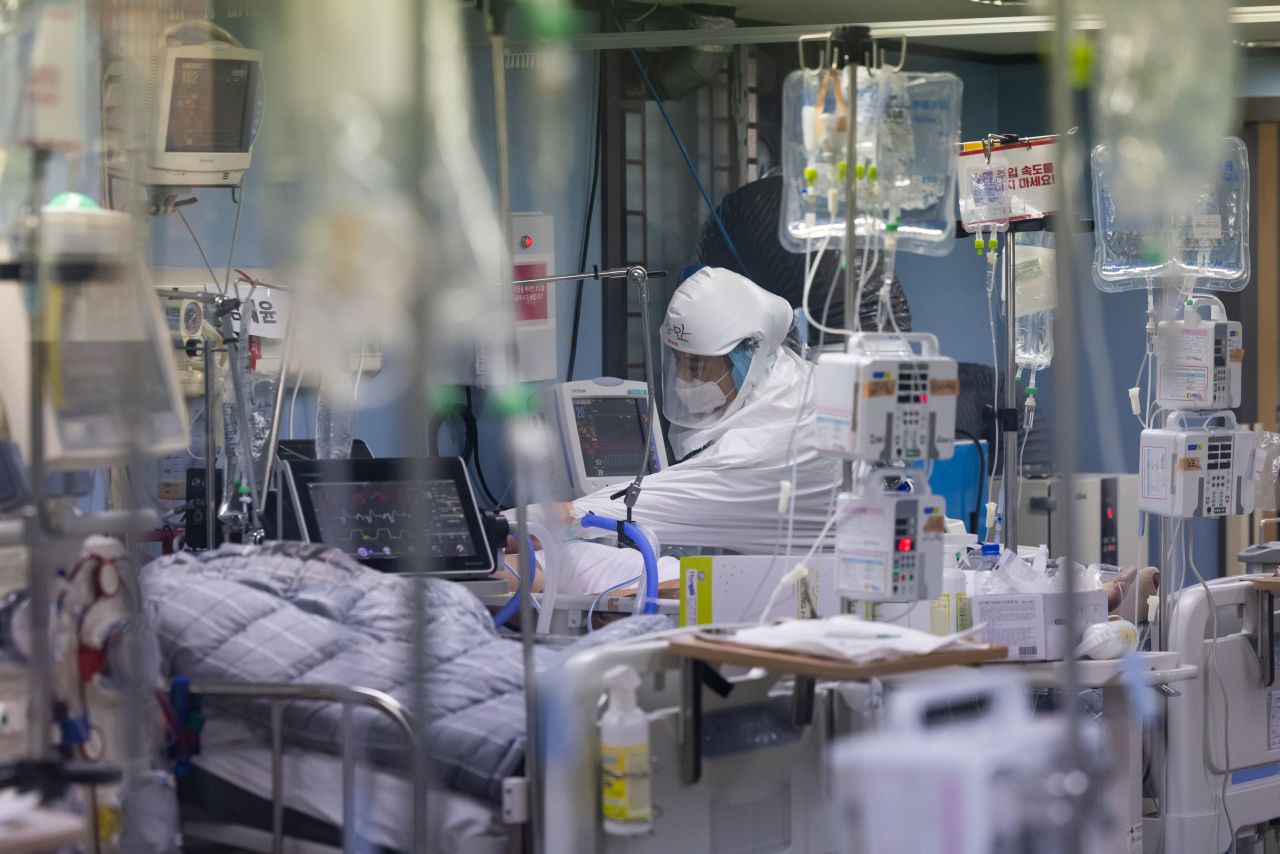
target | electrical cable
x=595, y=603
x=688, y=160
x=982, y=476
x=586, y=228
x=475, y=457
x=231, y=252
x=199, y=248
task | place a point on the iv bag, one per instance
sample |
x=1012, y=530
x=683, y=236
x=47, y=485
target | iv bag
x=1035, y=298
x=984, y=193
x=907, y=128
x=1164, y=70
x=1205, y=242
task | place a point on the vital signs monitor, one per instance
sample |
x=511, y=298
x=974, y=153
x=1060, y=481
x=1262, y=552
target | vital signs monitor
x=601, y=424
x=394, y=515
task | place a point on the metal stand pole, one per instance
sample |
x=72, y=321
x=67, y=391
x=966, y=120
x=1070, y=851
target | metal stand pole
x=40, y=564
x=210, y=451
x=1009, y=438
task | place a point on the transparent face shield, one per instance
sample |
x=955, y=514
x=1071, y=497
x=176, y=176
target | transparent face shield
x=700, y=391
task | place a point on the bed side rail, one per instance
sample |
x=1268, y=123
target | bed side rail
x=279, y=694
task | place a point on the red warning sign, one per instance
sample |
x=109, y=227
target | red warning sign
x=531, y=300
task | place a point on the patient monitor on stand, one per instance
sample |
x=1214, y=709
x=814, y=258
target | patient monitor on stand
x=601, y=424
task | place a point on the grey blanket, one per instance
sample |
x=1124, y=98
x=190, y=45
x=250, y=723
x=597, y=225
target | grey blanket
x=306, y=614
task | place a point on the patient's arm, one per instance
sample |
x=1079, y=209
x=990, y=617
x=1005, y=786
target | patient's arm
x=513, y=561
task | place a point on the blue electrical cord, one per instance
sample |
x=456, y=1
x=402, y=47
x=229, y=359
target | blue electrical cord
x=513, y=604
x=688, y=161
x=642, y=545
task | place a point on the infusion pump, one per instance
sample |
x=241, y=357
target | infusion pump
x=883, y=402
x=1198, y=464
x=1199, y=360
x=889, y=543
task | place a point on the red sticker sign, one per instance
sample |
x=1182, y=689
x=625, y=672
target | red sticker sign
x=530, y=300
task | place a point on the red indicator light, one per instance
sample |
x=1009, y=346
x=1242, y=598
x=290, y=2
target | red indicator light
x=905, y=544
x=924, y=398
x=526, y=242
x=1111, y=513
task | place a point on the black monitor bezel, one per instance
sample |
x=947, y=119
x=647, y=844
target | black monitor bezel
x=303, y=473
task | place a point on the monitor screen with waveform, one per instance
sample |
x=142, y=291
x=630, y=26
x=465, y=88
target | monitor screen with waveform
x=611, y=435
x=396, y=519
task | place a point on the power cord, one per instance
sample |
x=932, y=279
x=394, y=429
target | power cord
x=469, y=418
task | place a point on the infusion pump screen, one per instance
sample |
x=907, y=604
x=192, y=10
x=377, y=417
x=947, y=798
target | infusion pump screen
x=211, y=106
x=421, y=519
x=611, y=435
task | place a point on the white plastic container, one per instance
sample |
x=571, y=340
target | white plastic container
x=626, y=776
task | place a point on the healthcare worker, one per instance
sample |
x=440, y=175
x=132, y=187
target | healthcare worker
x=740, y=403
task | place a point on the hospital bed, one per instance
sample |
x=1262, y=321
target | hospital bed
x=258, y=794
x=1238, y=679
x=732, y=773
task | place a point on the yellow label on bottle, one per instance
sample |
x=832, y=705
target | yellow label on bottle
x=940, y=615
x=110, y=823
x=625, y=782
x=964, y=612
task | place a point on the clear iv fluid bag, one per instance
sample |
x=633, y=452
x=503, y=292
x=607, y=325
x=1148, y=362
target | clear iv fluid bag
x=335, y=418
x=907, y=129
x=1035, y=298
x=984, y=194
x=1206, y=242
x=1034, y=336
x=1161, y=70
